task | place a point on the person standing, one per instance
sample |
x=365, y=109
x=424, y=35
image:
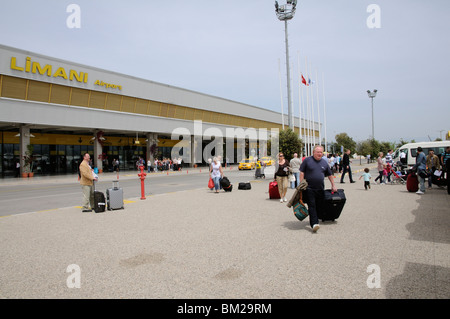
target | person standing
x=87, y=184
x=380, y=168
x=389, y=164
x=314, y=169
x=445, y=164
x=445, y=161
x=149, y=166
x=295, y=170
x=216, y=173
x=420, y=167
x=282, y=176
x=346, y=167
x=432, y=165
x=18, y=168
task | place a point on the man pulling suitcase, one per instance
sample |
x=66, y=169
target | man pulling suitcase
x=314, y=169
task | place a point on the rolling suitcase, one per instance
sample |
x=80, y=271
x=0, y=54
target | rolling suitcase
x=114, y=197
x=331, y=206
x=225, y=184
x=273, y=190
x=99, y=201
x=412, y=183
x=259, y=173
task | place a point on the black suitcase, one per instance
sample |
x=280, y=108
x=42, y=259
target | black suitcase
x=331, y=206
x=99, y=201
x=225, y=184
x=244, y=185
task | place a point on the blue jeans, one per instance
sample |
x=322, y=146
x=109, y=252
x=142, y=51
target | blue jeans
x=421, y=183
x=216, y=181
x=297, y=180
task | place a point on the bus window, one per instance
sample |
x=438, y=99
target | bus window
x=414, y=152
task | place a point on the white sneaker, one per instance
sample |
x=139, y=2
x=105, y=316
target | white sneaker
x=284, y=199
x=316, y=227
x=420, y=192
x=281, y=200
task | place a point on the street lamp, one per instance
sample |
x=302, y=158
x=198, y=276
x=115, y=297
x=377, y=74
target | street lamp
x=372, y=95
x=284, y=13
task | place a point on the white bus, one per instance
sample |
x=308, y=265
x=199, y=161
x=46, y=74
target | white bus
x=410, y=151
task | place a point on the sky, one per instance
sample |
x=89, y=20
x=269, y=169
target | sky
x=236, y=50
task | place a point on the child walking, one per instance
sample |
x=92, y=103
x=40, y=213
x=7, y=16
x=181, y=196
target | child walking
x=367, y=178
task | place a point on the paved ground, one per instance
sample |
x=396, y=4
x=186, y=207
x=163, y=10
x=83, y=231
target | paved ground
x=197, y=244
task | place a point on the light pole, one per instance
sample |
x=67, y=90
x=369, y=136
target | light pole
x=284, y=13
x=372, y=95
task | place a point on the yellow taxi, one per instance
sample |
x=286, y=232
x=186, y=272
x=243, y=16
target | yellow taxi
x=246, y=164
x=268, y=160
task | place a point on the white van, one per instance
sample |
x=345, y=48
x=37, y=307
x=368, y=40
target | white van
x=410, y=151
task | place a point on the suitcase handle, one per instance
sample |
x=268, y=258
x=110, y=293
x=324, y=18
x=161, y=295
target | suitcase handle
x=115, y=184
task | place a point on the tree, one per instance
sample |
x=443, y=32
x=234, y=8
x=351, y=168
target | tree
x=289, y=143
x=369, y=147
x=373, y=147
x=342, y=139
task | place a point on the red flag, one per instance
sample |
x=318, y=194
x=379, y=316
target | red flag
x=304, y=81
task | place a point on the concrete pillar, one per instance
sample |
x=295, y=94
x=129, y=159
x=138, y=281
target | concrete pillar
x=152, y=143
x=193, y=145
x=241, y=150
x=98, y=150
x=24, y=131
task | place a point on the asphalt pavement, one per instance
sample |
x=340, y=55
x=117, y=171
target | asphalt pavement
x=388, y=243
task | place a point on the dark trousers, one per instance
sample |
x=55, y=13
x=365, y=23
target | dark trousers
x=349, y=170
x=448, y=179
x=311, y=197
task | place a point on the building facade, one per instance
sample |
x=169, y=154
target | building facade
x=64, y=109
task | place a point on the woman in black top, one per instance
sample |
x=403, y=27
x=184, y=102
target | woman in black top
x=282, y=176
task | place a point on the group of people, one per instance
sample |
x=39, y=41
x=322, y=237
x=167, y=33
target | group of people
x=164, y=164
x=427, y=165
x=384, y=166
x=313, y=169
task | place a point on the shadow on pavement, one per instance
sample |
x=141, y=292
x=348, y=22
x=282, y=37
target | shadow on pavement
x=431, y=224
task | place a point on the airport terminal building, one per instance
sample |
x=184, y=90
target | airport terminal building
x=64, y=109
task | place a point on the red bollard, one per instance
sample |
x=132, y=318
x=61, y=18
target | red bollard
x=142, y=177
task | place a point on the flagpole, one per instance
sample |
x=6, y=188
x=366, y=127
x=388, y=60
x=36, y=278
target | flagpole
x=281, y=93
x=324, y=111
x=312, y=111
x=307, y=111
x=318, y=108
x=300, y=101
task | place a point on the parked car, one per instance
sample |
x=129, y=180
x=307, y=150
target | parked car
x=246, y=164
x=267, y=160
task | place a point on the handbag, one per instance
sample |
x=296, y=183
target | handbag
x=423, y=174
x=211, y=183
x=300, y=210
x=291, y=178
